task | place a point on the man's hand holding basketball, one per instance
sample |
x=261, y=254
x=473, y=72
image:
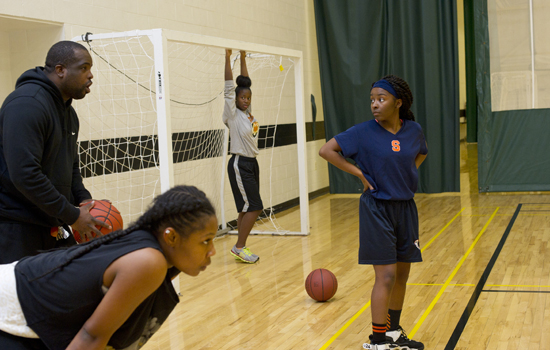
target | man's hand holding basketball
x=86, y=223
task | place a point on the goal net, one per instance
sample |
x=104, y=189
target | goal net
x=154, y=120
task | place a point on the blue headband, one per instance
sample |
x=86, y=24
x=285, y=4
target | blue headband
x=384, y=84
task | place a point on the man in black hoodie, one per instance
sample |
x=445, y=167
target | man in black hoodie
x=40, y=182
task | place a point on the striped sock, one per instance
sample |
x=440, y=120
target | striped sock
x=378, y=333
x=394, y=317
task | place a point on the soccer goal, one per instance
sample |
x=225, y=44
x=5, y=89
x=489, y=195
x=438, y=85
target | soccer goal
x=154, y=120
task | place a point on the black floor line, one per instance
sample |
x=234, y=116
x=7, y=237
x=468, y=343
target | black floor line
x=514, y=291
x=479, y=287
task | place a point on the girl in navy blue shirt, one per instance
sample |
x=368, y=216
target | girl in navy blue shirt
x=388, y=151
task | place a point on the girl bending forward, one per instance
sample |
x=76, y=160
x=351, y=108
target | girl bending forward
x=112, y=292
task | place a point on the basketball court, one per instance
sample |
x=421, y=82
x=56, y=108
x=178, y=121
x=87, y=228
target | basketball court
x=153, y=121
x=484, y=282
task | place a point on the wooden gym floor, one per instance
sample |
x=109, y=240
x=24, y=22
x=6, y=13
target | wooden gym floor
x=484, y=282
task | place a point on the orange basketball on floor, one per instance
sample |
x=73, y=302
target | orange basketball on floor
x=321, y=284
x=106, y=212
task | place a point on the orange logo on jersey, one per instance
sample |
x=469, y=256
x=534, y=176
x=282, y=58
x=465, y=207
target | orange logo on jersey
x=255, y=128
x=395, y=146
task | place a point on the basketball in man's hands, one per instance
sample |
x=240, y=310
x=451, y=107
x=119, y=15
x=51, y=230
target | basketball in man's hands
x=104, y=211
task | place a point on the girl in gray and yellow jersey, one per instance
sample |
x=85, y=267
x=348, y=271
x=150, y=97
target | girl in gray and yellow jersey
x=243, y=169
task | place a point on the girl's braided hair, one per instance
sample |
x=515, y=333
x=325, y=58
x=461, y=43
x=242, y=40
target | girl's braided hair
x=404, y=93
x=181, y=207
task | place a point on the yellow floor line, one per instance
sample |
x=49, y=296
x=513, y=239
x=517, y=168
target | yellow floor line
x=440, y=284
x=487, y=285
x=516, y=285
x=448, y=281
x=520, y=214
x=480, y=215
x=351, y=320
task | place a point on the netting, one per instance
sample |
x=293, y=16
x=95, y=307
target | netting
x=119, y=132
x=118, y=126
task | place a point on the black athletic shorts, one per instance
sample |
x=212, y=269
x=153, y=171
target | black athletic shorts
x=388, y=231
x=244, y=176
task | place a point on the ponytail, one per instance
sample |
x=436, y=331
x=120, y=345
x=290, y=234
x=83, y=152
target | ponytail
x=243, y=83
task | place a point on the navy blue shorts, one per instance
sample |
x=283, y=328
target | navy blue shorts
x=388, y=231
x=244, y=177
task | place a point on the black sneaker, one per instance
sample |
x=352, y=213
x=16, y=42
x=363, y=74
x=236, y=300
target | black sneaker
x=400, y=338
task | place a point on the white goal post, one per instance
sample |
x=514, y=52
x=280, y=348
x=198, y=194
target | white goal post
x=155, y=105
